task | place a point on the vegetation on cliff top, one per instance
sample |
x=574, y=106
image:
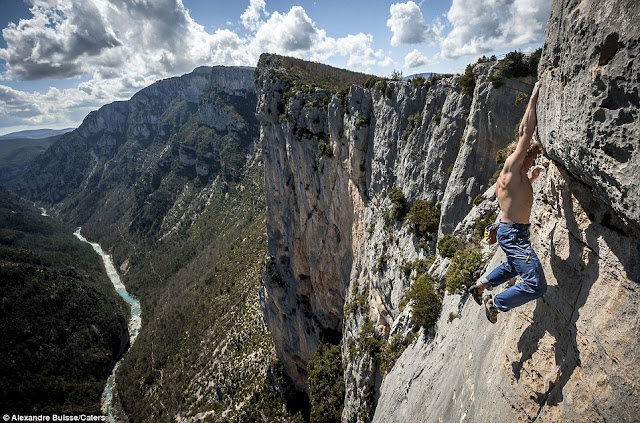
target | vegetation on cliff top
x=516, y=65
x=315, y=74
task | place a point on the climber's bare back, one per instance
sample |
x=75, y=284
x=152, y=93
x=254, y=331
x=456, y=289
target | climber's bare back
x=514, y=193
x=513, y=188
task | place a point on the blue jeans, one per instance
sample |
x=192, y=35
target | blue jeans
x=521, y=260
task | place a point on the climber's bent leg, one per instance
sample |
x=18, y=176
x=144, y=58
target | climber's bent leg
x=499, y=275
x=525, y=262
x=521, y=260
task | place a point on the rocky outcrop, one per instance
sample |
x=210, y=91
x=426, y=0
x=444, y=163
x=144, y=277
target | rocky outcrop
x=340, y=261
x=567, y=357
x=589, y=119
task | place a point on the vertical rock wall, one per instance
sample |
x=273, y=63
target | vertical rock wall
x=567, y=357
x=589, y=119
x=338, y=259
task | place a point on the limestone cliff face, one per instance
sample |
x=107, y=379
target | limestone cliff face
x=331, y=160
x=159, y=123
x=567, y=357
x=495, y=115
x=589, y=121
x=339, y=260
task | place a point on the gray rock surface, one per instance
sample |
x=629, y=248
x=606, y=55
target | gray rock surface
x=330, y=164
x=566, y=357
x=188, y=119
x=495, y=114
x=570, y=355
x=589, y=119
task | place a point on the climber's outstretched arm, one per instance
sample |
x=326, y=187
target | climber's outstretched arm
x=527, y=128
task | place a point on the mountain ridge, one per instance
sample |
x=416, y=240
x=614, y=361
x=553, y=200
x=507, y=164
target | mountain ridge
x=170, y=184
x=35, y=133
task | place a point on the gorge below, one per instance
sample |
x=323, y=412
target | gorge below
x=135, y=322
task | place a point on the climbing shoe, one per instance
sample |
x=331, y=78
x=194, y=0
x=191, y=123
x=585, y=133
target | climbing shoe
x=474, y=290
x=490, y=310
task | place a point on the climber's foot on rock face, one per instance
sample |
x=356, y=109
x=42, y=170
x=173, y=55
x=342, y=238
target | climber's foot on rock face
x=476, y=293
x=490, y=310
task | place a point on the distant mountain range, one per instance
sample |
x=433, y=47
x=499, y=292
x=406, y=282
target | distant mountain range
x=17, y=149
x=35, y=134
x=425, y=75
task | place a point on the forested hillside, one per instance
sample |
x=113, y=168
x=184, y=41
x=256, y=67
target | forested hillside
x=62, y=325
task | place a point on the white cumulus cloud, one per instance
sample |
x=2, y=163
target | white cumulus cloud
x=481, y=26
x=288, y=33
x=122, y=45
x=118, y=47
x=407, y=24
x=251, y=18
x=294, y=33
x=415, y=59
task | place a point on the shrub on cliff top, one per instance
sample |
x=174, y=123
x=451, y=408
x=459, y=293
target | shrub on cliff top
x=396, y=75
x=320, y=75
x=468, y=81
x=514, y=65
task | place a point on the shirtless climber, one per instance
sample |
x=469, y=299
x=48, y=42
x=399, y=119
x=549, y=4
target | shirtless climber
x=515, y=197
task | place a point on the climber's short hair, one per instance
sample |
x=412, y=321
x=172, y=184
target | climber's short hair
x=535, y=148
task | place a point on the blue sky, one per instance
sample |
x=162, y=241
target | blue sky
x=61, y=59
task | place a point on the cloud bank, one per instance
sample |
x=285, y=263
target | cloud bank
x=408, y=26
x=124, y=45
x=118, y=47
x=481, y=26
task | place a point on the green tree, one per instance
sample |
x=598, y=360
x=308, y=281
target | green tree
x=427, y=303
x=466, y=267
x=399, y=204
x=424, y=218
x=514, y=65
x=468, y=81
x=413, y=121
x=448, y=245
x=326, y=386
